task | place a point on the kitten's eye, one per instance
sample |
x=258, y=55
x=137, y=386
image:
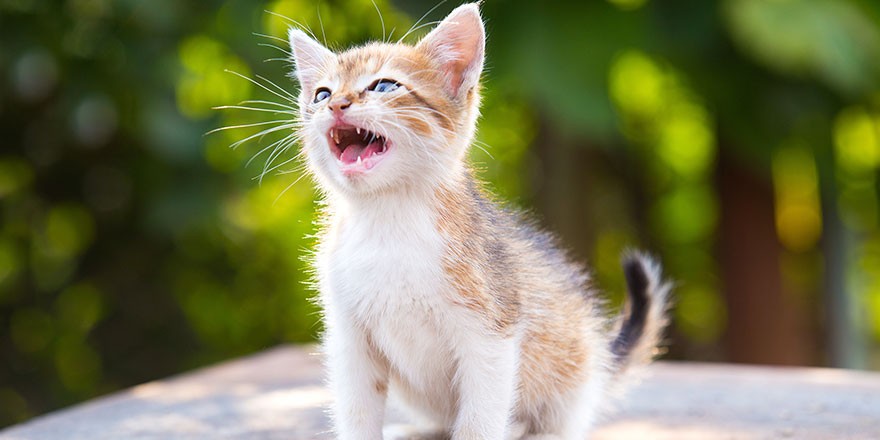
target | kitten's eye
x=384, y=85
x=322, y=94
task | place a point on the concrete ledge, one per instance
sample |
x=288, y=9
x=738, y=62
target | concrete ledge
x=277, y=394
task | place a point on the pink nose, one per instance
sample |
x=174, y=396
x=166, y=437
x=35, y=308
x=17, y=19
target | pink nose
x=339, y=104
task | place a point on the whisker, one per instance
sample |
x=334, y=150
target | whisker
x=278, y=151
x=426, y=24
x=257, y=101
x=382, y=20
x=270, y=36
x=282, y=50
x=298, y=169
x=282, y=172
x=258, y=84
x=281, y=89
x=477, y=143
x=323, y=34
x=414, y=28
x=269, y=170
x=300, y=25
x=288, y=187
x=256, y=109
x=262, y=133
x=263, y=150
x=230, y=127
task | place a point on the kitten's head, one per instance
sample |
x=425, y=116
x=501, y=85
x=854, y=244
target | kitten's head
x=384, y=116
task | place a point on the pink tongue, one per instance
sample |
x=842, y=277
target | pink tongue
x=353, y=151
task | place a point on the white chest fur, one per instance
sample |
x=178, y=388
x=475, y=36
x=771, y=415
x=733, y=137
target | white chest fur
x=385, y=273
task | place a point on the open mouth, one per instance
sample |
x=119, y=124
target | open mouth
x=355, y=148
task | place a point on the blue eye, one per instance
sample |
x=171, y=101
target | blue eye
x=322, y=94
x=384, y=85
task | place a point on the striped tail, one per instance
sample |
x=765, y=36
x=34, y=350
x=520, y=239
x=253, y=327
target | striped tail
x=645, y=317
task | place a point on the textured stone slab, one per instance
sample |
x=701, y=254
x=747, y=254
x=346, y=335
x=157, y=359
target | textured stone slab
x=278, y=394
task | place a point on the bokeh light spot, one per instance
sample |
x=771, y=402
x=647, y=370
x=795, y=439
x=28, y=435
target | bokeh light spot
x=636, y=84
x=12, y=405
x=686, y=214
x=856, y=143
x=10, y=265
x=35, y=75
x=15, y=174
x=798, y=214
x=686, y=142
x=69, y=229
x=700, y=312
x=78, y=365
x=628, y=5
x=205, y=83
x=31, y=329
x=79, y=307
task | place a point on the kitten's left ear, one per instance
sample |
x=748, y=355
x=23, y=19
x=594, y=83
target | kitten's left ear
x=459, y=44
x=310, y=57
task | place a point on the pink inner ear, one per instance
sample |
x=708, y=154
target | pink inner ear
x=310, y=57
x=456, y=68
x=458, y=44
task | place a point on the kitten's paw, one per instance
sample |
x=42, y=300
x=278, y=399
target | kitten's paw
x=407, y=432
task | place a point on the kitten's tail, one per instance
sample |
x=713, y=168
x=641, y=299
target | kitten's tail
x=645, y=316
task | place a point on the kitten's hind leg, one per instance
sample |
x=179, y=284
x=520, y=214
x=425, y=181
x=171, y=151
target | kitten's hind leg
x=573, y=417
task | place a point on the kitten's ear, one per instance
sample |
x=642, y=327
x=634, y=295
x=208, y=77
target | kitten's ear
x=310, y=58
x=459, y=44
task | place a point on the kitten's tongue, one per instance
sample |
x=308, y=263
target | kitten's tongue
x=355, y=151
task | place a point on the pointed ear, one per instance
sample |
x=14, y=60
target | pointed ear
x=310, y=58
x=458, y=43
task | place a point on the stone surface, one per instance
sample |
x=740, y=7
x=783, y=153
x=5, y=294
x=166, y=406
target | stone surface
x=278, y=394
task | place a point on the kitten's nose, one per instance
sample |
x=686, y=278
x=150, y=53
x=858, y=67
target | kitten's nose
x=339, y=104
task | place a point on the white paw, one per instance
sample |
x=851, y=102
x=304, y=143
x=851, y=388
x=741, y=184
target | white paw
x=408, y=432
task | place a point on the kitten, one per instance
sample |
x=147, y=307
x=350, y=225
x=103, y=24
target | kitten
x=432, y=292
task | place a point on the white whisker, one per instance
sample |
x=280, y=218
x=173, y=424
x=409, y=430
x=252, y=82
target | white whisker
x=270, y=36
x=278, y=151
x=259, y=85
x=321, y=22
x=230, y=127
x=257, y=101
x=262, y=133
x=382, y=20
x=282, y=50
x=256, y=109
x=263, y=150
x=288, y=187
x=413, y=28
x=300, y=25
x=281, y=89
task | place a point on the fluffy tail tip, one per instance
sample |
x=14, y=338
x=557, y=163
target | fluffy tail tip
x=645, y=316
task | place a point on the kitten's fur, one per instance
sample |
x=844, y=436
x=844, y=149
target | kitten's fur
x=433, y=293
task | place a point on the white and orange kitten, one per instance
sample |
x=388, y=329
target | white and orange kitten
x=434, y=295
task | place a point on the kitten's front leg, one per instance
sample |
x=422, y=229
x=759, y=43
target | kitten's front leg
x=359, y=383
x=486, y=381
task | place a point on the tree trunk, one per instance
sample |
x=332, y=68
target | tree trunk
x=765, y=325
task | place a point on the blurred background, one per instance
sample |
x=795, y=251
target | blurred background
x=738, y=140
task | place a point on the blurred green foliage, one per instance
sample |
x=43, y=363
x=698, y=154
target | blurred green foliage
x=132, y=246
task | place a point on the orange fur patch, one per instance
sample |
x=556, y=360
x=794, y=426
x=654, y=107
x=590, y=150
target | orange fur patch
x=422, y=78
x=466, y=261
